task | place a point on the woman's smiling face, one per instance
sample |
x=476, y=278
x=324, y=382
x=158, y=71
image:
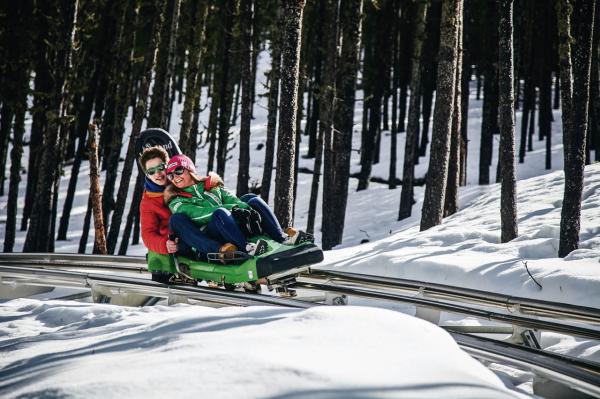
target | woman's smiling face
x=183, y=180
x=156, y=166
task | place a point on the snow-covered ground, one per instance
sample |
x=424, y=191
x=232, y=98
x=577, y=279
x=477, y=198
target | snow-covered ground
x=56, y=349
x=67, y=349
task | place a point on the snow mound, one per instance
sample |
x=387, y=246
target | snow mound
x=55, y=349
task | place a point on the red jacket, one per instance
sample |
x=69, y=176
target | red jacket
x=154, y=220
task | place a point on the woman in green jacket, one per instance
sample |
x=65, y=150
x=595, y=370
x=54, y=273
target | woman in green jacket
x=221, y=214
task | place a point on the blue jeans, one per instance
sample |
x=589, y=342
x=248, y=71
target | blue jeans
x=269, y=223
x=191, y=239
x=222, y=227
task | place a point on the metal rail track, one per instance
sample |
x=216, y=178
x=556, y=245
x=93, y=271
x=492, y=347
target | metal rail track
x=510, y=303
x=477, y=297
x=574, y=373
x=522, y=321
x=139, y=286
x=435, y=296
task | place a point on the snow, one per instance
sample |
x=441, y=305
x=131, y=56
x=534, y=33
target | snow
x=55, y=349
x=68, y=349
x=466, y=250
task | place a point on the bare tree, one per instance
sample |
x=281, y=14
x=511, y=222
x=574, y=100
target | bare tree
x=95, y=193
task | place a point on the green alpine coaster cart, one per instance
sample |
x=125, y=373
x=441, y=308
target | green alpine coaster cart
x=278, y=266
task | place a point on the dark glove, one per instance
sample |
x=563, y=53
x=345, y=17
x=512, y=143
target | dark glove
x=248, y=220
x=255, y=223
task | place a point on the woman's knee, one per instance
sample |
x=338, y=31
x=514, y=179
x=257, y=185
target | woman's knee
x=177, y=220
x=256, y=202
x=221, y=213
x=247, y=197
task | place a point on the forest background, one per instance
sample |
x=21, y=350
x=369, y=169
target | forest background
x=66, y=64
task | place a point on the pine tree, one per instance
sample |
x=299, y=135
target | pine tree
x=451, y=197
x=272, y=106
x=226, y=83
x=508, y=199
x=575, y=77
x=327, y=94
x=140, y=111
x=40, y=235
x=433, y=203
x=412, y=128
x=247, y=82
x=192, y=80
x=347, y=73
x=290, y=62
x=18, y=46
x=165, y=65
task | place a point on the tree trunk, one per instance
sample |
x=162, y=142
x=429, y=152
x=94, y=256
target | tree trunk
x=6, y=119
x=290, y=62
x=273, y=102
x=412, y=128
x=464, y=120
x=247, y=11
x=575, y=111
x=394, y=94
x=95, y=194
x=326, y=104
x=451, y=198
x=140, y=111
x=508, y=199
x=212, y=125
x=433, y=203
x=192, y=78
x=16, y=75
x=42, y=86
x=40, y=235
x=594, y=128
x=488, y=124
x=528, y=106
x=380, y=61
x=85, y=231
x=111, y=139
x=85, y=111
x=347, y=71
x=226, y=85
x=165, y=65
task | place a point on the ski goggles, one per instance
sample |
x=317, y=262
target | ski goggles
x=157, y=168
x=178, y=171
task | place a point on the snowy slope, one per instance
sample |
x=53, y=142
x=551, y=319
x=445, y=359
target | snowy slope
x=466, y=250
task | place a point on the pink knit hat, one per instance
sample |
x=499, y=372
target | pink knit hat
x=180, y=160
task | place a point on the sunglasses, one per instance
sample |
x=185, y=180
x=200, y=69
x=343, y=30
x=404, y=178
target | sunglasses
x=157, y=168
x=178, y=171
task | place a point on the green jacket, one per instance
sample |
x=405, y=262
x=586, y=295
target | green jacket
x=199, y=204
